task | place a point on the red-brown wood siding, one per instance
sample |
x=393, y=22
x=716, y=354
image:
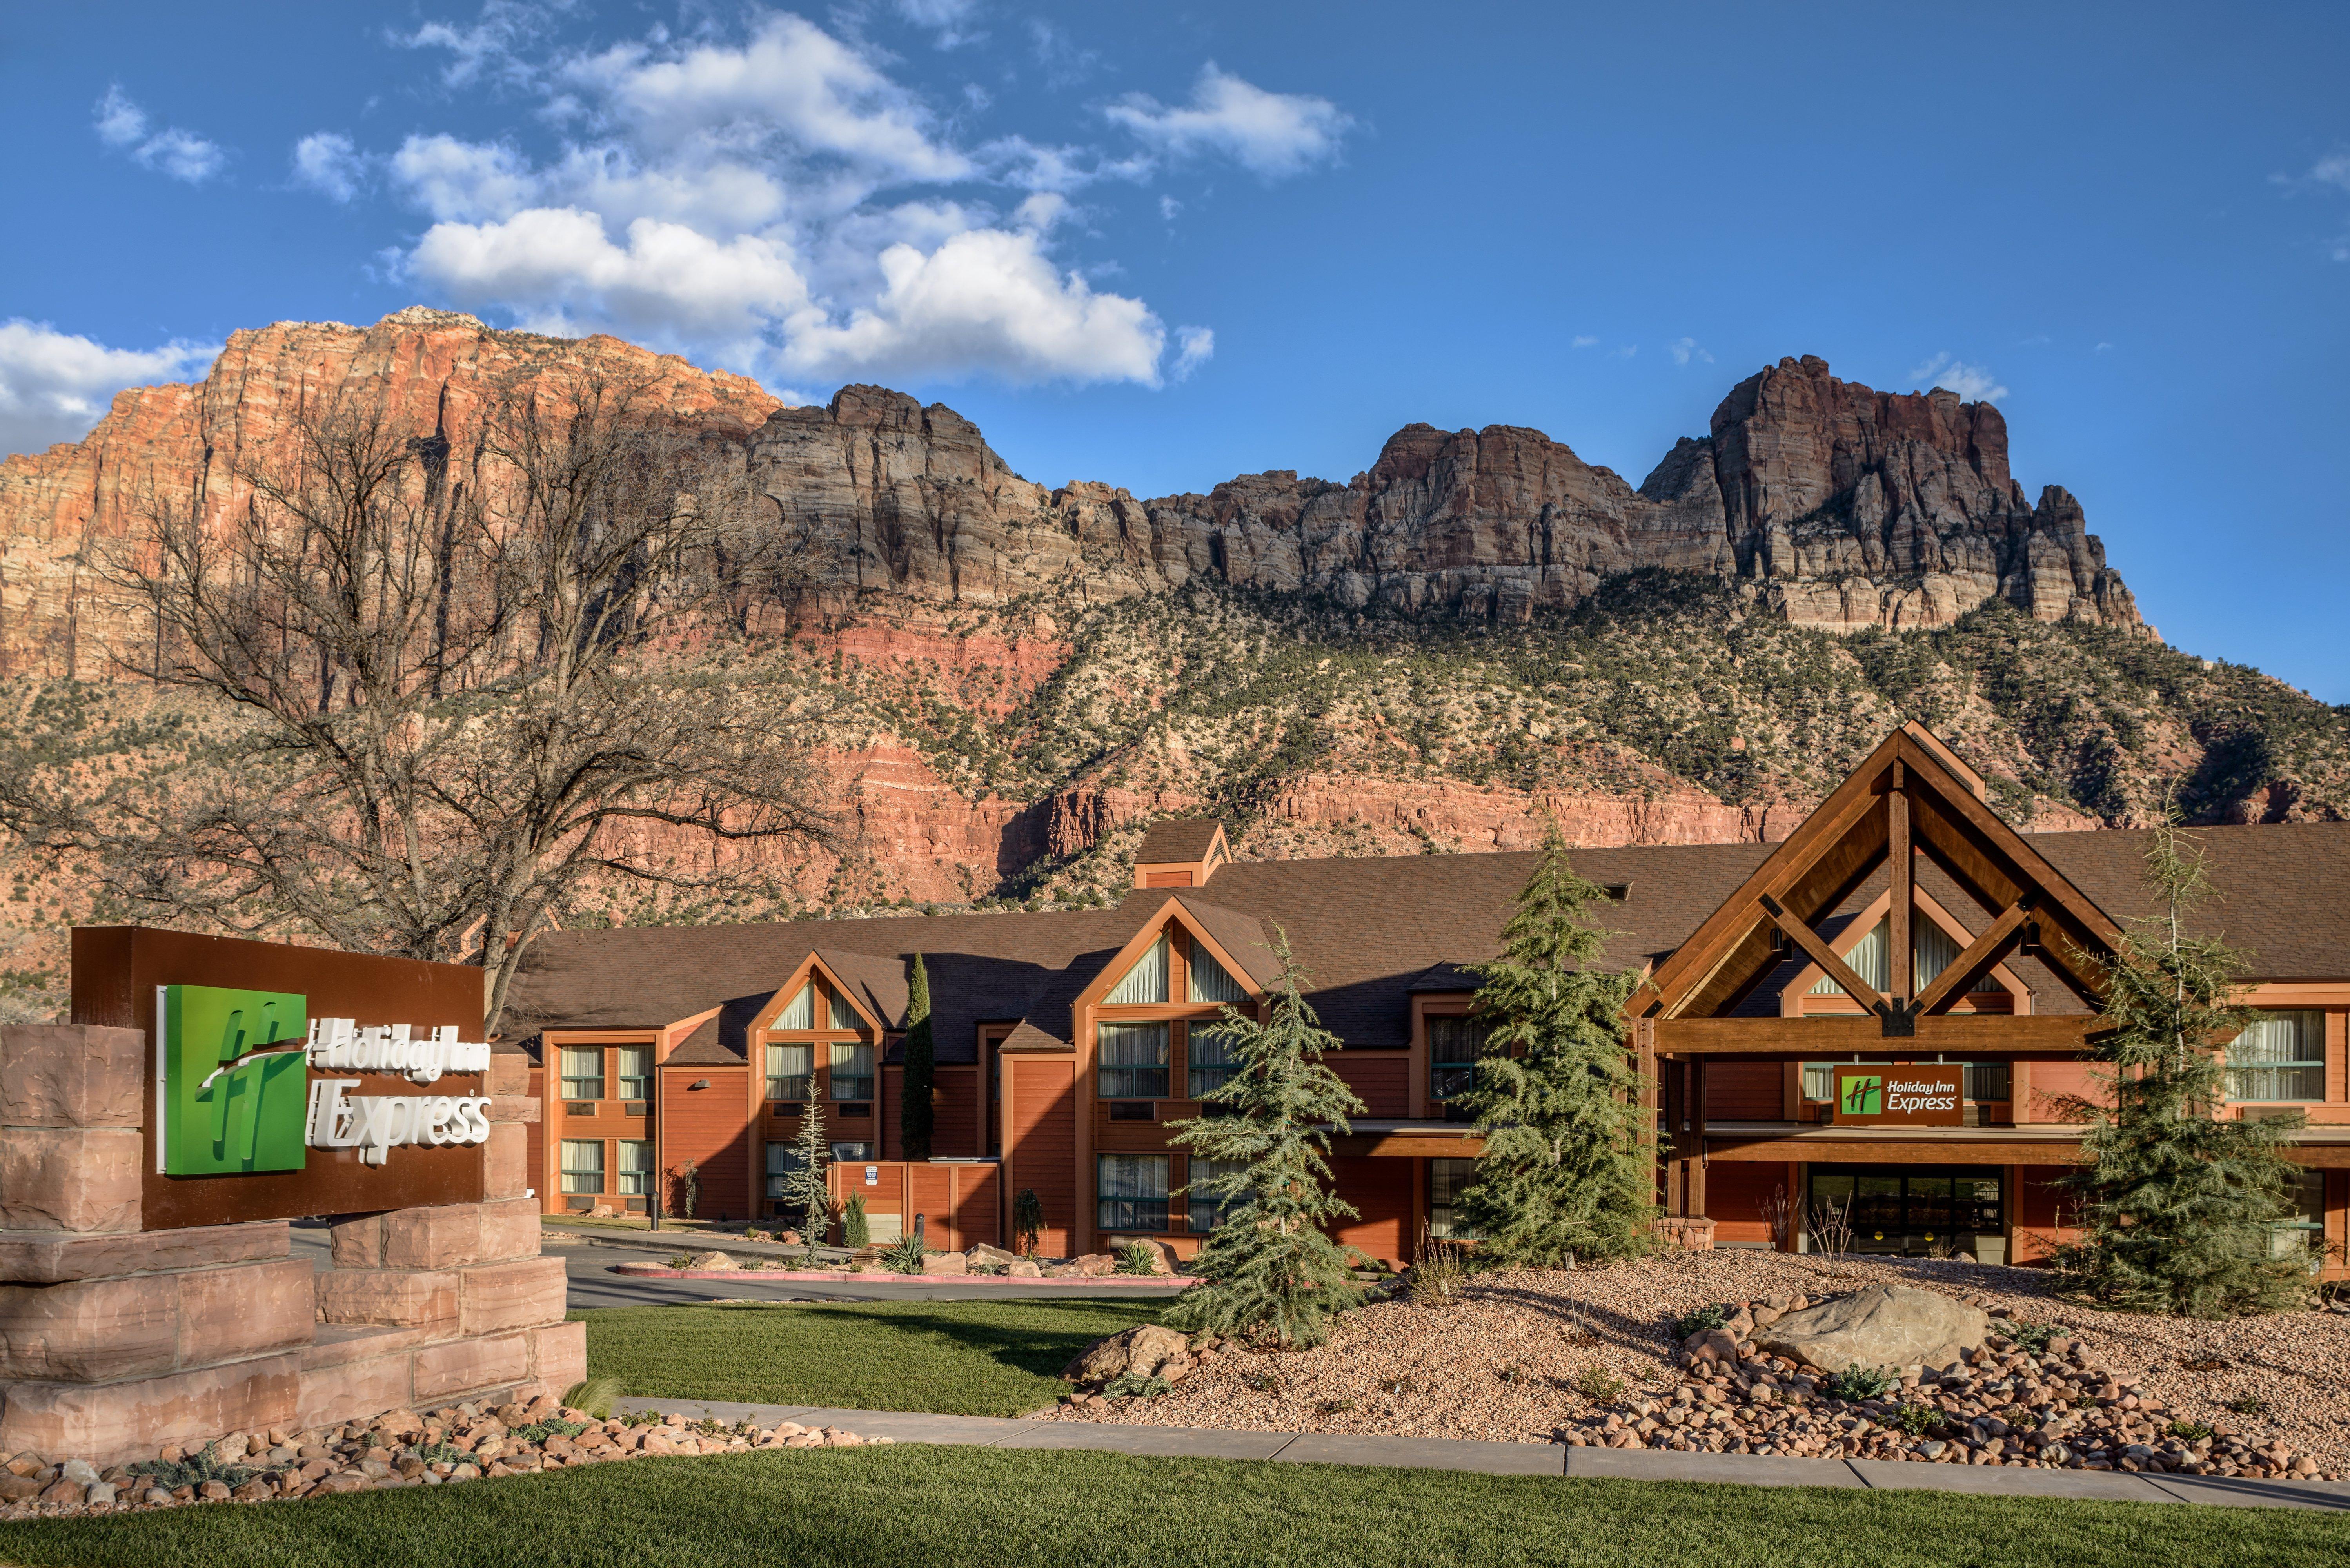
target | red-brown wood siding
x=1043, y=1156
x=1736, y=1190
x=2036, y=1203
x=954, y=1115
x=707, y=1126
x=2051, y=1080
x=1743, y=1092
x=1381, y=1189
x=1382, y=1080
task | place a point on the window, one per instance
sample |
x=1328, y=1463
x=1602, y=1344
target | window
x=1211, y=981
x=852, y=1151
x=1455, y=1043
x=852, y=1072
x=1209, y=1211
x=1133, y=1064
x=1989, y=1081
x=2304, y=1233
x=1133, y=1191
x=583, y=1074
x=1146, y=981
x=1446, y=1178
x=789, y=1068
x=844, y=1016
x=2280, y=1056
x=799, y=1012
x=583, y=1165
x=636, y=1166
x=1934, y=949
x=782, y=1161
x=636, y=1063
x=1212, y=1059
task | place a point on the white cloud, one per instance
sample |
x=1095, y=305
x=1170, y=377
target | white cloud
x=986, y=300
x=1195, y=345
x=181, y=154
x=488, y=50
x=1973, y=383
x=53, y=386
x=1271, y=133
x=2333, y=168
x=464, y=181
x=1585, y=341
x=947, y=20
x=327, y=163
x=1684, y=349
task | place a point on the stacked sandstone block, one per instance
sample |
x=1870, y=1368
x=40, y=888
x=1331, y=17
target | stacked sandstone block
x=114, y=1341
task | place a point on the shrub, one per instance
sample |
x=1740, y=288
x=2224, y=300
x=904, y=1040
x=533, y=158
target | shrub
x=1917, y=1420
x=1435, y=1277
x=680, y=1261
x=2189, y=1431
x=539, y=1431
x=1857, y=1383
x=442, y=1453
x=904, y=1257
x=1137, y=1258
x=195, y=1470
x=1027, y=1222
x=2032, y=1336
x=1704, y=1318
x=856, y=1229
x=1599, y=1384
x=2248, y=1405
x=1134, y=1384
x=594, y=1395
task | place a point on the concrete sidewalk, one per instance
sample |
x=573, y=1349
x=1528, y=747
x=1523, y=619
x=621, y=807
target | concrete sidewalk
x=1523, y=1459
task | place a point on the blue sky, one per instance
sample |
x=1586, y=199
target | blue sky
x=1160, y=245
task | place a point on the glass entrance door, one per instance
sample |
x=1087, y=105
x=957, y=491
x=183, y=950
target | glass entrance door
x=1912, y=1210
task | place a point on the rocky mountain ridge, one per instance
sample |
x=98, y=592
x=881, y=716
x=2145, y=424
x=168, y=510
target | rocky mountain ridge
x=1827, y=503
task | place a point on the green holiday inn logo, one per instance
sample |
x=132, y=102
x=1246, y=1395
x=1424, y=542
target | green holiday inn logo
x=234, y=1085
x=1863, y=1097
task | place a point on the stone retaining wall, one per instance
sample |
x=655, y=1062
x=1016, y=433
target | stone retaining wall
x=114, y=1341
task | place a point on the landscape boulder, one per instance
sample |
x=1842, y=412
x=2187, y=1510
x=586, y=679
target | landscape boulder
x=713, y=1259
x=1140, y=1350
x=945, y=1263
x=984, y=1255
x=1884, y=1326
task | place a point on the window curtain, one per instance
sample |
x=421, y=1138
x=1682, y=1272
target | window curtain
x=636, y=1071
x=1446, y=1177
x=636, y=1166
x=1936, y=951
x=1214, y=1059
x=2279, y=1056
x=782, y=1161
x=1133, y=1191
x=1146, y=981
x=844, y=1016
x=1132, y=1064
x=788, y=1070
x=1455, y=1043
x=1211, y=981
x=852, y=1072
x=583, y=1072
x=1207, y=1211
x=583, y=1165
x=799, y=1012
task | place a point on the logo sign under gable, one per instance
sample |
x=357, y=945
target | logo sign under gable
x=236, y=1092
x=1928, y=1095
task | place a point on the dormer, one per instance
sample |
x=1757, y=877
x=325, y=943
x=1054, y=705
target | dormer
x=1180, y=853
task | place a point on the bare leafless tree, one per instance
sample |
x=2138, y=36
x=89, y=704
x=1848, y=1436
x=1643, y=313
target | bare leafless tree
x=468, y=682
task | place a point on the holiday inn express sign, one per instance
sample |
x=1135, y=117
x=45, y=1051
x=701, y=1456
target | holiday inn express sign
x=1929, y=1095
x=236, y=1095
x=287, y=1081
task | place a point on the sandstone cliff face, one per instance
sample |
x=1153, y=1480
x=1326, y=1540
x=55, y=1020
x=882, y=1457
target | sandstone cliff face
x=430, y=372
x=1835, y=505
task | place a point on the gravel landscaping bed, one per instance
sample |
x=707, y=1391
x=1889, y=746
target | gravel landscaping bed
x=1526, y=1357
x=400, y=1449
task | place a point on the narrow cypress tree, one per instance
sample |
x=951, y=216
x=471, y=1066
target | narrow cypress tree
x=2177, y=1206
x=806, y=1191
x=1271, y=1270
x=915, y=1113
x=1556, y=1098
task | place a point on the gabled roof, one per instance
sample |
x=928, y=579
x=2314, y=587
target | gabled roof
x=1910, y=793
x=1178, y=841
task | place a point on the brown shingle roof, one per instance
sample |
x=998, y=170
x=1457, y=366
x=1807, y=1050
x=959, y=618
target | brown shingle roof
x=1177, y=842
x=1369, y=931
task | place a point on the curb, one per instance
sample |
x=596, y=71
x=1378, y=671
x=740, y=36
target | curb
x=884, y=1276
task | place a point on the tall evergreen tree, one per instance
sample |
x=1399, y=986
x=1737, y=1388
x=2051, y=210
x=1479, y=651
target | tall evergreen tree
x=915, y=1110
x=2177, y=1206
x=1566, y=1172
x=806, y=1190
x=1270, y=1270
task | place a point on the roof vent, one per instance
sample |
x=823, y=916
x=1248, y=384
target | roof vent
x=1180, y=853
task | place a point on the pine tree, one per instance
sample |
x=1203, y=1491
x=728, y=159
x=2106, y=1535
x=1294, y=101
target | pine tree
x=915, y=1111
x=1566, y=1172
x=2176, y=1206
x=1271, y=1270
x=806, y=1190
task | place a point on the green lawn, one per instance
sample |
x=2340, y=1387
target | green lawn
x=956, y=1358
x=882, y=1508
